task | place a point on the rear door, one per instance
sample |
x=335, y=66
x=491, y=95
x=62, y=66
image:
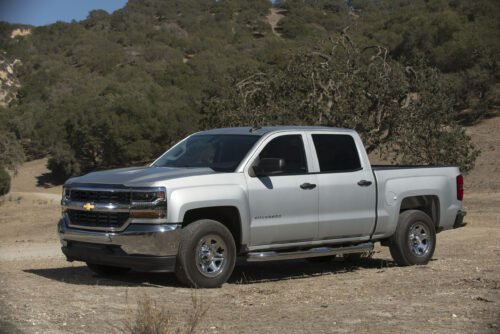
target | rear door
x=347, y=191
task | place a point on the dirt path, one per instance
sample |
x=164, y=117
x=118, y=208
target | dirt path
x=458, y=292
x=274, y=18
x=33, y=177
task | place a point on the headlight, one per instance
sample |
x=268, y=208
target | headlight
x=149, y=204
x=141, y=196
x=66, y=193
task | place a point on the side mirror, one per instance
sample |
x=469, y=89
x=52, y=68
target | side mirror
x=268, y=166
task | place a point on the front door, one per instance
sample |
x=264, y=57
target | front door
x=283, y=207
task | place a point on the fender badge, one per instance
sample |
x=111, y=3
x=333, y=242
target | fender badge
x=88, y=206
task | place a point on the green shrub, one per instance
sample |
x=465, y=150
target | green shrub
x=63, y=164
x=4, y=181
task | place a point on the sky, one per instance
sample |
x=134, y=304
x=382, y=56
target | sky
x=43, y=12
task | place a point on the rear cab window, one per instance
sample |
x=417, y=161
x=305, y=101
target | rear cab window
x=336, y=153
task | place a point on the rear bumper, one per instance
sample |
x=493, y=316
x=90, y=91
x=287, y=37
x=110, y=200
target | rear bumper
x=459, y=220
x=140, y=247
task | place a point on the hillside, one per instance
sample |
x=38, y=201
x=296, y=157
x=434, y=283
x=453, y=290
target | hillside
x=485, y=177
x=119, y=88
x=9, y=84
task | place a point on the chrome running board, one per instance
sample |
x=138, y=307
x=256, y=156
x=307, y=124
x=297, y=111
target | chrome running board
x=312, y=252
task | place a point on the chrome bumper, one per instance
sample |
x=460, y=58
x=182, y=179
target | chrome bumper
x=136, y=239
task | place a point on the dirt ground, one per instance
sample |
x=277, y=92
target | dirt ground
x=458, y=292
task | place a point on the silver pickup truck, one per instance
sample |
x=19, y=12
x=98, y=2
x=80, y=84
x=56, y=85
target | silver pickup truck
x=270, y=193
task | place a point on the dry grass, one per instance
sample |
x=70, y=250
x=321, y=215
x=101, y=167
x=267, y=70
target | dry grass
x=151, y=318
x=459, y=291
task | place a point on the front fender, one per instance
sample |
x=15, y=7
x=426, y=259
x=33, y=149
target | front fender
x=185, y=199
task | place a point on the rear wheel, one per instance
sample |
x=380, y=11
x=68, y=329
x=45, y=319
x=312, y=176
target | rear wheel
x=207, y=254
x=103, y=270
x=414, y=240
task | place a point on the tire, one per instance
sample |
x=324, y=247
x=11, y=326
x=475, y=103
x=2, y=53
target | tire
x=103, y=270
x=414, y=241
x=206, y=256
x=321, y=259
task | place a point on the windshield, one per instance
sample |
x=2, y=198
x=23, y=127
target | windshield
x=222, y=153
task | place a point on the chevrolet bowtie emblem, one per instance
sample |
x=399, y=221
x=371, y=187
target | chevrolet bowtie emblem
x=88, y=206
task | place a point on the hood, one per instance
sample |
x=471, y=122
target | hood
x=139, y=176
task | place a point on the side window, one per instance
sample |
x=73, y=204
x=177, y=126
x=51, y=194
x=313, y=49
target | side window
x=289, y=148
x=336, y=153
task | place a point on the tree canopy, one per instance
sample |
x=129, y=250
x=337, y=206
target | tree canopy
x=403, y=112
x=120, y=88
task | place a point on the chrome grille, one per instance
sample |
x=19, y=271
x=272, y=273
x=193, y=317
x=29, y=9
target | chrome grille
x=94, y=219
x=122, y=197
x=111, y=207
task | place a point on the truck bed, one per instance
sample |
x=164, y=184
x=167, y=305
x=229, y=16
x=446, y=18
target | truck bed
x=401, y=186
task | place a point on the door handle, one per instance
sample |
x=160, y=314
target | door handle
x=364, y=183
x=307, y=186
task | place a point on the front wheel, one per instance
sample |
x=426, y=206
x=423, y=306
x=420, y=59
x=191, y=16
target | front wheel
x=207, y=254
x=414, y=240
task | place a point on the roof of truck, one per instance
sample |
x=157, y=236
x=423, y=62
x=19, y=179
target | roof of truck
x=260, y=131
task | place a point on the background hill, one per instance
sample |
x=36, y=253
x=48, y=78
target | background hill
x=119, y=89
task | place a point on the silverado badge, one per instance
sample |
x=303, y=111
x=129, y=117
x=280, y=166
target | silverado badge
x=88, y=206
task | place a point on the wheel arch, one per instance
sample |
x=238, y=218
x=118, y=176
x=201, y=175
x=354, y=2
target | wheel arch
x=428, y=204
x=229, y=216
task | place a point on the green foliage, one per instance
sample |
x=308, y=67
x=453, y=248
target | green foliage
x=63, y=164
x=313, y=20
x=458, y=37
x=4, y=181
x=11, y=151
x=404, y=112
x=118, y=89
x=429, y=132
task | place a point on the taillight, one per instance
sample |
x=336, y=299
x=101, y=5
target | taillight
x=460, y=187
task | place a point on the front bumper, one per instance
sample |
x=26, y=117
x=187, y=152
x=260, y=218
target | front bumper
x=140, y=247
